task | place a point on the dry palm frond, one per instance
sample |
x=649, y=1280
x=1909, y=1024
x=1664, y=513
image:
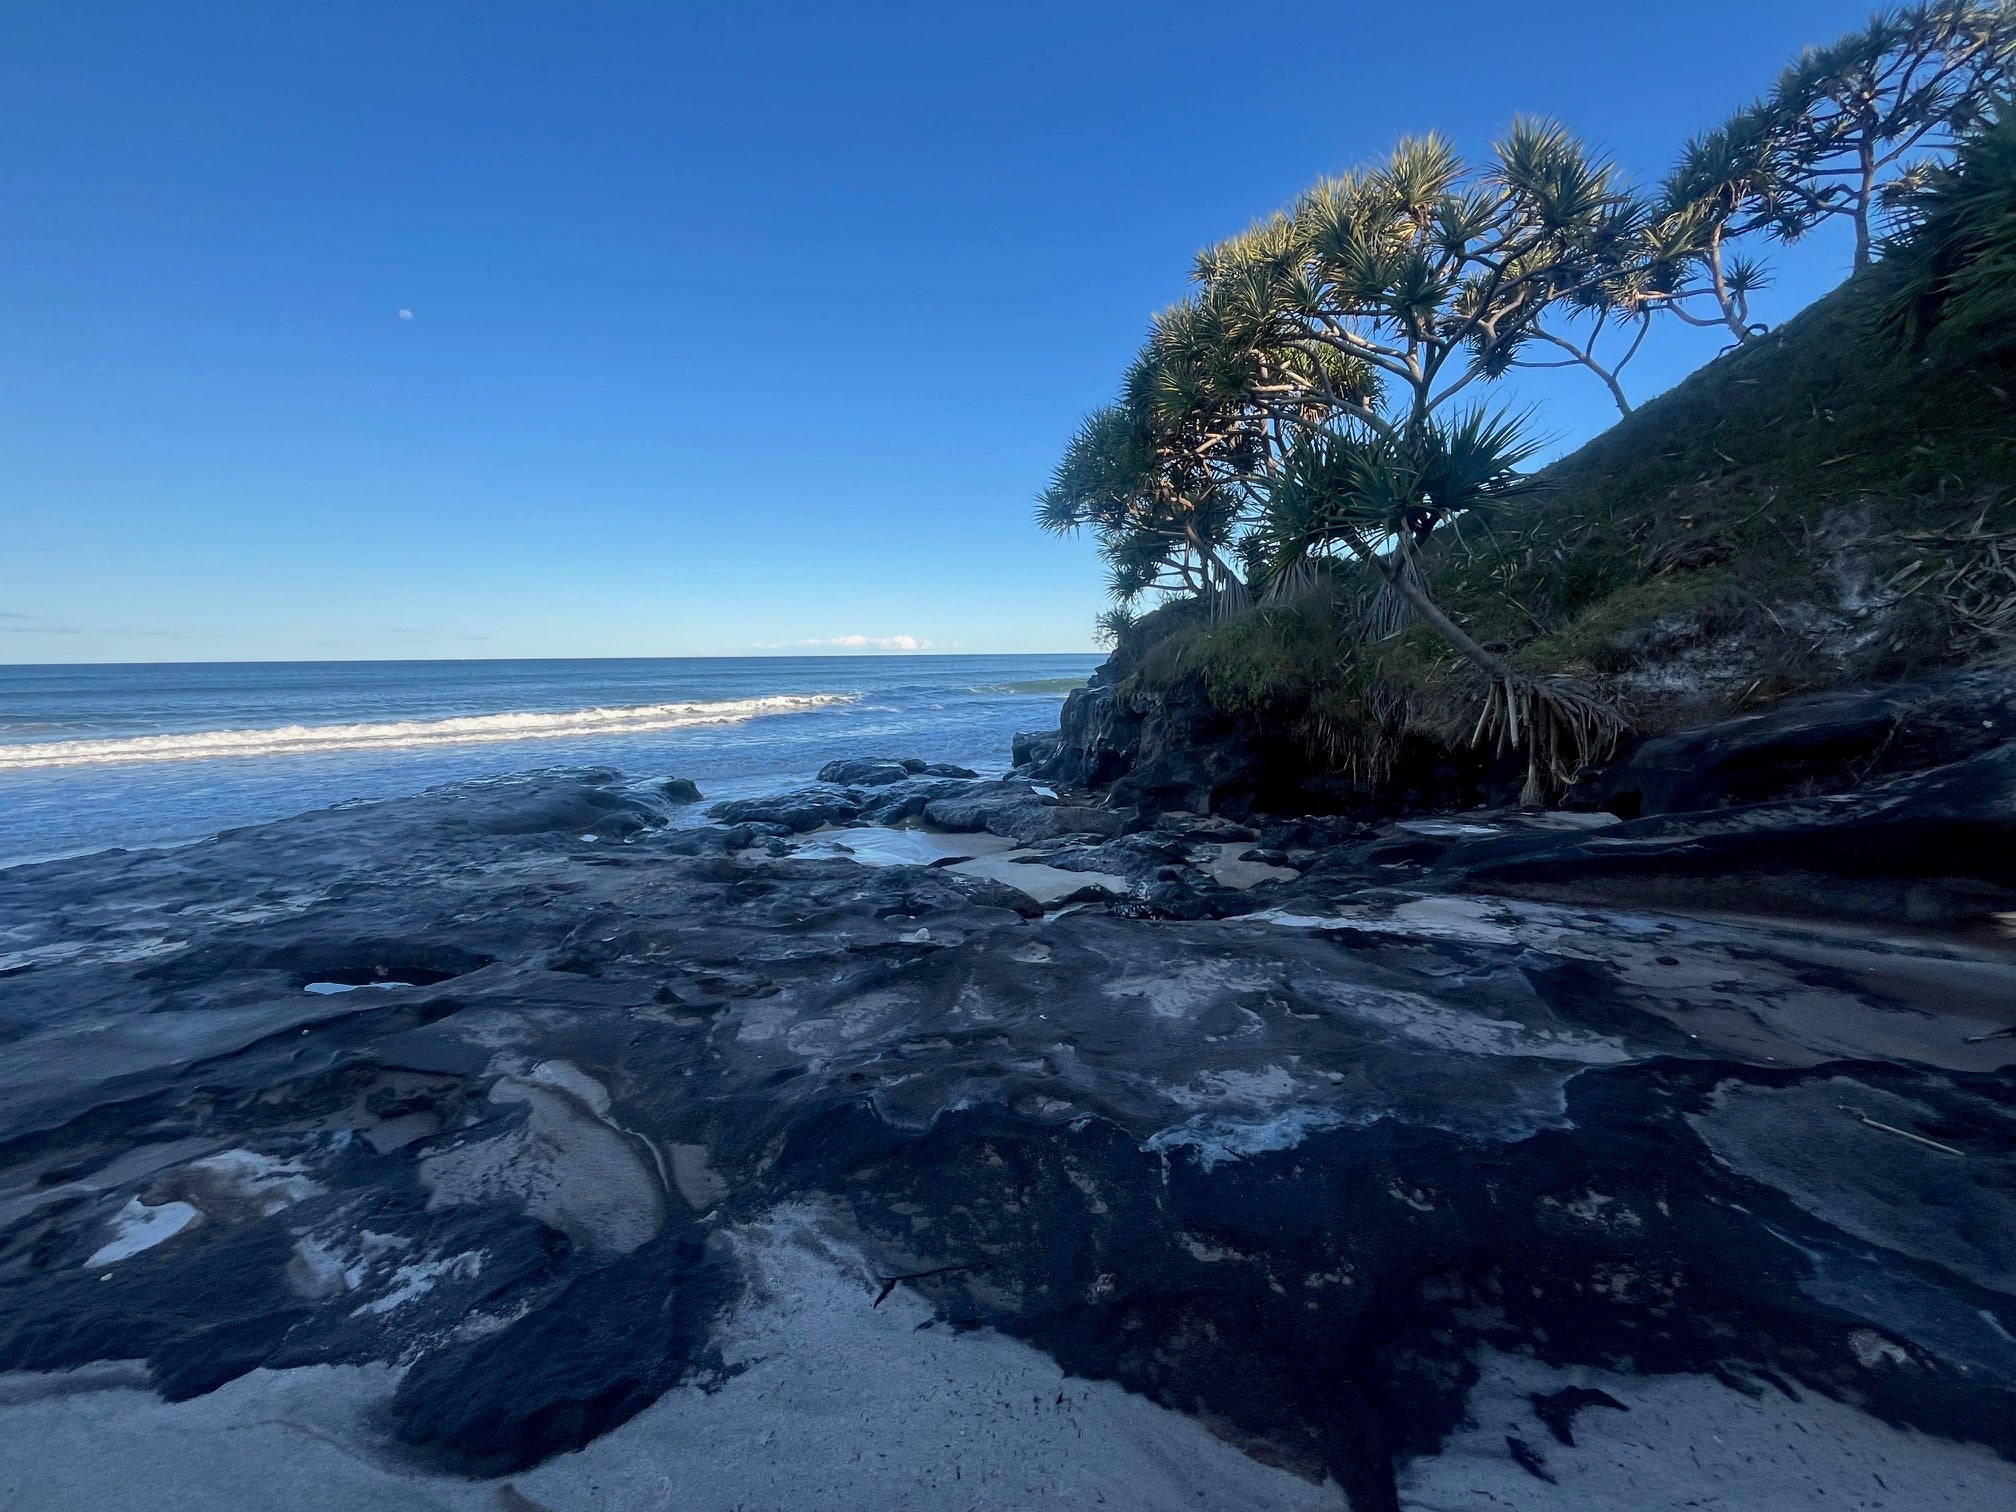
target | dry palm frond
x=1971, y=571
x=1388, y=612
x=1295, y=581
x=1230, y=600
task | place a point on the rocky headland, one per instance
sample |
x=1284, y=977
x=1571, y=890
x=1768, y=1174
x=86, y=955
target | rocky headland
x=923, y=1139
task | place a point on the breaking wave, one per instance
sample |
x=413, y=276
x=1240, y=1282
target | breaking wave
x=1051, y=685
x=408, y=734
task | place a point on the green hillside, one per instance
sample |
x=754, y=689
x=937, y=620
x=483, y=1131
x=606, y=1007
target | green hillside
x=1802, y=513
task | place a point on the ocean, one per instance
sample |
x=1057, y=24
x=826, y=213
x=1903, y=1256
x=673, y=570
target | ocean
x=93, y=757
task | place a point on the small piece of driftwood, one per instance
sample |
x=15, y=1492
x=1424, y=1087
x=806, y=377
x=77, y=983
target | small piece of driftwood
x=1934, y=1144
x=890, y=1283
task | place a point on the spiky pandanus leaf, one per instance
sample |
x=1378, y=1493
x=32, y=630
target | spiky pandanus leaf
x=1115, y=626
x=1954, y=268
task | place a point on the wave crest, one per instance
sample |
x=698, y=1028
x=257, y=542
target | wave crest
x=408, y=734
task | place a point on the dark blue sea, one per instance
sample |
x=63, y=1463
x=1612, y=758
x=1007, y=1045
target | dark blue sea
x=99, y=756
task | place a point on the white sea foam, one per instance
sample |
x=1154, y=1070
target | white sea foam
x=408, y=734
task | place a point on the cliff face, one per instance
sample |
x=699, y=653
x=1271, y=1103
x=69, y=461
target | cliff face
x=1174, y=749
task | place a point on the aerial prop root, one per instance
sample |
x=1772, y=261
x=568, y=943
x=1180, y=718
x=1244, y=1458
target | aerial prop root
x=1562, y=724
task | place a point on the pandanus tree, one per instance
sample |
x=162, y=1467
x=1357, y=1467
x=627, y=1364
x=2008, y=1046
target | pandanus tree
x=1377, y=496
x=1168, y=476
x=1301, y=406
x=1848, y=131
x=1424, y=273
x=1729, y=184
x=1865, y=119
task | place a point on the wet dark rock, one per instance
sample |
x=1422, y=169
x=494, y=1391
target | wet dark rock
x=1934, y=848
x=1824, y=743
x=968, y=809
x=1527, y=1458
x=559, y=804
x=1201, y=827
x=1557, y=1409
x=867, y=772
x=681, y=790
x=603, y=1348
x=905, y=800
x=1134, y=856
x=1190, y=897
x=697, y=842
x=1035, y=747
x=1290, y=1161
x=880, y=771
x=806, y=809
x=1016, y=811
x=1318, y=833
x=1097, y=738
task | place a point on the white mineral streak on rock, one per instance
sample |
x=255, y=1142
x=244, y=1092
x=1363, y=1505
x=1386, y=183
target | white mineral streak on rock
x=1215, y=1137
x=410, y=1281
x=1444, y=1027
x=247, y=1179
x=137, y=1227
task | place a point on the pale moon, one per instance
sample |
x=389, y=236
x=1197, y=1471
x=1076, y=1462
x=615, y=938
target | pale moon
x=405, y=314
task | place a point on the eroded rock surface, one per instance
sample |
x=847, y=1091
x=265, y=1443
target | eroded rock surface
x=1341, y=1141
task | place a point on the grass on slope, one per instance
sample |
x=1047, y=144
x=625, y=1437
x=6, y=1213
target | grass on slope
x=1797, y=514
x=1780, y=486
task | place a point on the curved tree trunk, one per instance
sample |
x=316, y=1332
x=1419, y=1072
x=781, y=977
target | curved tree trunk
x=1460, y=639
x=1559, y=731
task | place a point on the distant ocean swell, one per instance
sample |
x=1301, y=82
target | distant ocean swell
x=483, y=729
x=1040, y=685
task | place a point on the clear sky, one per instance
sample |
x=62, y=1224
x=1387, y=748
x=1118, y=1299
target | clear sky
x=531, y=328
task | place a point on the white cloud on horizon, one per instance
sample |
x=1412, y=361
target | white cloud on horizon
x=855, y=643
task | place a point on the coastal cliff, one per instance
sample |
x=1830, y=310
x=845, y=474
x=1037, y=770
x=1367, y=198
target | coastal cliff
x=1799, y=517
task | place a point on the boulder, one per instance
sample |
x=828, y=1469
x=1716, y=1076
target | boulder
x=1028, y=823
x=1097, y=738
x=1824, y=743
x=806, y=809
x=1035, y=747
x=561, y=804
x=1132, y=856
x=968, y=808
x=1016, y=811
x=680, y=790
x=905, y=800
x=882, y=771
x=867, y=772
x=1934, y=848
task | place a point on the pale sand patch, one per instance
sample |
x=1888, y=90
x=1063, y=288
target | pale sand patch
x=877, y=846
x=564, y=1163
x=839, y=1406
x=1229, y=871
x=1046, y=884
x=1689, y=1442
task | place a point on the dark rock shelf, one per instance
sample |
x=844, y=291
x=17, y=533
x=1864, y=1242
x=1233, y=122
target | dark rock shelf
x=1406, y=1164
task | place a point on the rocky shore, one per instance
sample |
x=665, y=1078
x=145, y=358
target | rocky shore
x=1084, y=1136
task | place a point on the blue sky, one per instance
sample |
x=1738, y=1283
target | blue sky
x=734, y=327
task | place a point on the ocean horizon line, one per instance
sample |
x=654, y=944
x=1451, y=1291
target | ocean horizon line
x=460, y=661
